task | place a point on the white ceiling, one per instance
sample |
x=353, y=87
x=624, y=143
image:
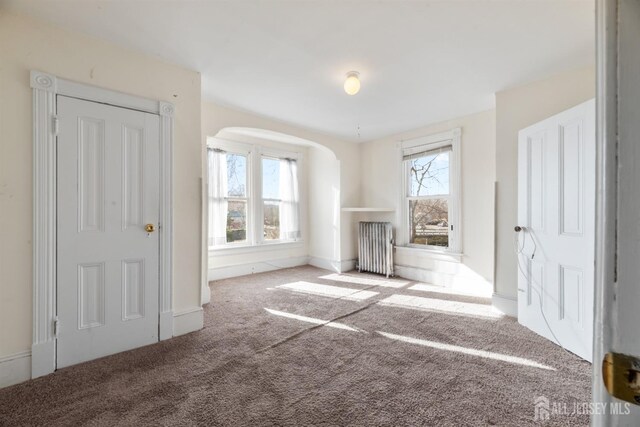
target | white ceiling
x=420, y=61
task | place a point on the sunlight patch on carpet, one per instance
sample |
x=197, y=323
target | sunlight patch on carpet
x=469, y=351
x=313, y=320
x=328, y=291
x=365, y=280
x=440, y=306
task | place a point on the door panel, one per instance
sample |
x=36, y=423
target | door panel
x=556, y=206
x=571, y=177
x=107, y=266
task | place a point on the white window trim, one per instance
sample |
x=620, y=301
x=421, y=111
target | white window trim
x=255, y=231
x=247, y=249
x=431, y=142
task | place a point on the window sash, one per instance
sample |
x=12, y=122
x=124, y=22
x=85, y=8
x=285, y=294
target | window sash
x=280, y=201
x=448, y=141
x=246, y=199
x=409, y=181
x=449, y=225
x=247, y=173
x=424, y=151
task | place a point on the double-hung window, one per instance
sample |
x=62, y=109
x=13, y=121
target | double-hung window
x=431, y=201
x=280, y=199
x=253, y=195
x=229, y=197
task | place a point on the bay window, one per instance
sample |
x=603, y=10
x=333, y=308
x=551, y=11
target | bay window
x=253, y=195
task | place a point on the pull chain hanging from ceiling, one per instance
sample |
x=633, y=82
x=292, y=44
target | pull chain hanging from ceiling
x=352, y=87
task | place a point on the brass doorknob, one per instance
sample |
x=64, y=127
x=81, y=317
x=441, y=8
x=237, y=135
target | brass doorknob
x=150, y=228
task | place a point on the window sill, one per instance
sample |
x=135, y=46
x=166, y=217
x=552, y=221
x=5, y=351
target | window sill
x=245, y=249
x=442, y=255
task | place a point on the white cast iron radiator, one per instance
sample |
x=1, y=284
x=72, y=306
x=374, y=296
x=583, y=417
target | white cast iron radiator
x=375, y=247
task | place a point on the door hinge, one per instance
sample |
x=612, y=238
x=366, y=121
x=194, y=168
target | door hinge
x=55, y=124
x=56, y=326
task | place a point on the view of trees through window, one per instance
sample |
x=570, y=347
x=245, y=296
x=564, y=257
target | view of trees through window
x=428, y=199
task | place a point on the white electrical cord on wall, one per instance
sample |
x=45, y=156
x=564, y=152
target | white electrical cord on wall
x=519, y=251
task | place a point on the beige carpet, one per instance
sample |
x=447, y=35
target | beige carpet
x=419, y=358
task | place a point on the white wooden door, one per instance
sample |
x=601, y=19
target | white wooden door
x=556, y=208
x=107, y=264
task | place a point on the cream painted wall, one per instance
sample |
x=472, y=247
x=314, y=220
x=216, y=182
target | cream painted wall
x=516, y=109
x=27, y=44
x=334, y=178
x=381, y=187
x=324, y=206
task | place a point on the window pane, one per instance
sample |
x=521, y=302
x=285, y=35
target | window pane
x=271, y=220
x=429, y=222
x=270, y=178
x=236, y=221
x=236, y=175
x=429, y=175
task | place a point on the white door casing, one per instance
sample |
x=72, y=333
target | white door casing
x=618, y=197
x=556, y=208
x=107, y=264
x=45, y=88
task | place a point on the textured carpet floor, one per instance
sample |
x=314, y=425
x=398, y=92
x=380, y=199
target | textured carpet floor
x=251, y=367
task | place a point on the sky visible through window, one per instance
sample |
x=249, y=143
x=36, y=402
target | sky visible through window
x=270, y=178
x=237, y=176
x=430, y=175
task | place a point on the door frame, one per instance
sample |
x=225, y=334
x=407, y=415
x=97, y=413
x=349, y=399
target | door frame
x=45, y=88
x=606, y=195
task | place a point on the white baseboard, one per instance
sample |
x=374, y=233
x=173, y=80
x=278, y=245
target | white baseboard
x=451, y=280
x=43, y=358
x=188, y=321
x=504, y=304
x=206, y=294
x=255, y=267
x=413, y=273
x=20, y=367
x=347, y=265
x=323, y=263
x=15, y=368
x=331, y=265
x=166, y=325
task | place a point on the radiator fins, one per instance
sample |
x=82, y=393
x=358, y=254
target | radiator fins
x=375, y=247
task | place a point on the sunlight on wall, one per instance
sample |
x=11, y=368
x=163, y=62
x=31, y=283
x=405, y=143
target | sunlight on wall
x=336, y=224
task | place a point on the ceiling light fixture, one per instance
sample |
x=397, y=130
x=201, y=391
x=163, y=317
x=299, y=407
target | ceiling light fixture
x=352, y=83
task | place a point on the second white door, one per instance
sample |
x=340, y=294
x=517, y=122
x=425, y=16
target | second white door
x=107, y=265
x=556, y=207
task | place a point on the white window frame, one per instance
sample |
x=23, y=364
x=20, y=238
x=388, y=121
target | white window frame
x=270, y=153
x=255, y=210
x=245, y=150
x=432, y=142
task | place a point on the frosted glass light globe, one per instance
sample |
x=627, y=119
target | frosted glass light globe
x=352, y=83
